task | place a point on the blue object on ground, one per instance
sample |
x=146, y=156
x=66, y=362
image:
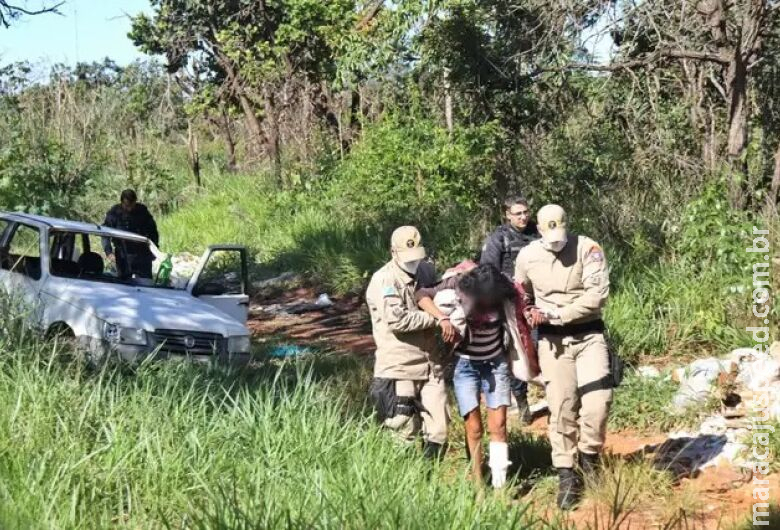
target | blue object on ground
x=288, y=350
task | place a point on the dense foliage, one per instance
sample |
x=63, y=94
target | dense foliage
x=308, y=130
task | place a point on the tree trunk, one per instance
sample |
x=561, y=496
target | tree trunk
x=257, y=138
x=774, y=188
x=737, y=108
x=192, y=146
x=448, y=101
x=253, y=124
x=272, y=138
x=227, y=136
x=737, y=139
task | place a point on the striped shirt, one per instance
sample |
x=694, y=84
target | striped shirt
x=485, y=340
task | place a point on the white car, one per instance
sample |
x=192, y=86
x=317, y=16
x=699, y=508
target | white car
x=59, y=271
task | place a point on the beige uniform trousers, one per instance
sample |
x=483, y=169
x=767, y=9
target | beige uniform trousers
x=576, y=422
x=432, y=393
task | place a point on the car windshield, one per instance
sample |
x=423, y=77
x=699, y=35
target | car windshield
x=90, y=257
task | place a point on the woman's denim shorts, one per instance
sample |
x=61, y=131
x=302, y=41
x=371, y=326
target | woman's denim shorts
x=491, y=377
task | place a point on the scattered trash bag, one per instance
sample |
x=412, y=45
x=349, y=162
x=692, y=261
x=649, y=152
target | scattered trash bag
x=684, y=454
x=758, y=372
x=288, y=350
x=323, y=300
x=697, y=380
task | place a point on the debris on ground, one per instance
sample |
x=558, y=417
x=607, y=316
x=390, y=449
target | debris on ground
x=756, y=370
x=648, y=372
x=288, y=350
x=720, y=438
x=324, y=300
x=273, y=286
x=294, y=307
x=698, y=379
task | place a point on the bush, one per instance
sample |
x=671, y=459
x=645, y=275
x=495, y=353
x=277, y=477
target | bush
x=413, y=171
x=711, y=234
x=338, y=231
x=41, y=176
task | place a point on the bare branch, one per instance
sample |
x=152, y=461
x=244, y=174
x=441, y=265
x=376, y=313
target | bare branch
x=9, y=11
x=371, y=13
x=647, y=60
x=718, y=87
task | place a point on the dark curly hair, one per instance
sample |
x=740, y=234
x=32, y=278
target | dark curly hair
x=485, y=285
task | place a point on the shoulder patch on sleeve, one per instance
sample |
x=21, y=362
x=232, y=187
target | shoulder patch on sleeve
x=389, y=291
x=595, y=254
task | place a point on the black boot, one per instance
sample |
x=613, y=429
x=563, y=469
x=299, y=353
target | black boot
x=589, y=463
x=523, y=410
x=569, y=488
x=433, y=451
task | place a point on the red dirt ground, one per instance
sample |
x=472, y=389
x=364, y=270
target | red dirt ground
x=725, y=495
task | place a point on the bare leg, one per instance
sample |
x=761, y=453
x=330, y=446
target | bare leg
x=496, y=419
x=473, y=423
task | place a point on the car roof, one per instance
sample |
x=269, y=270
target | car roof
x=53, y=223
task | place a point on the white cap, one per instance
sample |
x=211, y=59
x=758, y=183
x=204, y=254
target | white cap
x=551, y=223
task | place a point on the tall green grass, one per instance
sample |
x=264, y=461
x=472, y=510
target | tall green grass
x=174, y=445
x=670, y=309
x=654, y=308
x=645, y=404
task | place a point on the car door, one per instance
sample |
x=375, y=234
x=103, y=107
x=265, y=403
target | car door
x=221, y=280
x=22, y=268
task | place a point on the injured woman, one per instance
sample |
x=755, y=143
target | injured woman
x=493, y=339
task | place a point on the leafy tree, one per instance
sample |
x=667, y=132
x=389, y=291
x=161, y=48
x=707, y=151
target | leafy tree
x=714, y=49
x=253, y=51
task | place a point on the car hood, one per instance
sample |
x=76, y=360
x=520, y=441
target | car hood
x=149, y=308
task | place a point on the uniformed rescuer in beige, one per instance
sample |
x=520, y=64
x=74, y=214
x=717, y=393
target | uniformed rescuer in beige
x=567, y=278
x=408, y=387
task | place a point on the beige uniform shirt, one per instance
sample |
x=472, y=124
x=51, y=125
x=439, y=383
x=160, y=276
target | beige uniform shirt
x=574, y=283
x=405, y=335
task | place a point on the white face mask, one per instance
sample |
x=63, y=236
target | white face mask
x=554, y=247
x=410, y=266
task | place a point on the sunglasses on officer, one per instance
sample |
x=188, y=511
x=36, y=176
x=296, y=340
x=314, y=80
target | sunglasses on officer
x=520, y=212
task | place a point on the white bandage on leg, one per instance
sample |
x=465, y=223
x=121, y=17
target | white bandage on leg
x=499, y=463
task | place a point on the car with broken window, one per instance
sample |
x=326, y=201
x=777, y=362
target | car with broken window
x=55, y=270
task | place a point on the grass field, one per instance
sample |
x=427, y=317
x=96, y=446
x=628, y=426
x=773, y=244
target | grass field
x=172, y=445
x=278, y=445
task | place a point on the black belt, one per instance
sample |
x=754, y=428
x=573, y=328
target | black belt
x=568, y=330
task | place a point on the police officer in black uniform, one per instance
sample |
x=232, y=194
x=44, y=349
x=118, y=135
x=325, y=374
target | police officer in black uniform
x=131, y=216
x=500, y=249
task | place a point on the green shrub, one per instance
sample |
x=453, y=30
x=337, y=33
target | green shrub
x=414, y=171
x=40, y=176
x=711, y=234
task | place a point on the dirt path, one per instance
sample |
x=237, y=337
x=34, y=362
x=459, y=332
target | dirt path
x=723, y=494
x=343, y=326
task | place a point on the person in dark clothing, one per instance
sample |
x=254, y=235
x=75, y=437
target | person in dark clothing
x=503, y=244
x=131, y=216
x=500, y=250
